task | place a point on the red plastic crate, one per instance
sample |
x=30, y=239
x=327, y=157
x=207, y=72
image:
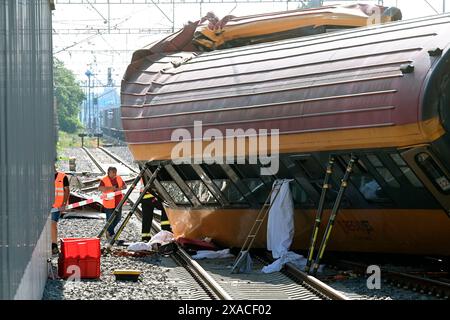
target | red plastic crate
x=83, y=253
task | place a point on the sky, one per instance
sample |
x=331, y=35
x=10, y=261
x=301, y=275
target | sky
x=81, y=49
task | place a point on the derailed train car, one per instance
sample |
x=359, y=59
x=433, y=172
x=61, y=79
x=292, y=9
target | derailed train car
x=112, y=124
x=380, y=93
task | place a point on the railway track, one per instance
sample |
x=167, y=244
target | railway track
x=212, y=278
x=102, y=165
x=119, y=160
x=414, y=282
x=94, y=160
x=291, y=283
x=216, y=281
x=215, y=278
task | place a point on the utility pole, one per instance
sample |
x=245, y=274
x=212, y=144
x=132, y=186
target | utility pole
x=89, y=74
x=173, y=15
x=109, y=17
x=83, y=108
x=95, y=113
x=443, y=6
x=93, y=107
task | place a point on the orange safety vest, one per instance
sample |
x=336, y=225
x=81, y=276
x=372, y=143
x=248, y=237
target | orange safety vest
x=59, y=190
x=107, y=202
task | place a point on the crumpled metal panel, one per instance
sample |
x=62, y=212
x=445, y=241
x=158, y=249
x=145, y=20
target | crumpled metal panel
x=27, y=134
x=231, y=31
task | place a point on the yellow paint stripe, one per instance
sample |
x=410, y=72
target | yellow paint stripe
x=365, y=138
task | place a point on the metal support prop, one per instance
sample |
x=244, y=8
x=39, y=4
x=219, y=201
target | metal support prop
x=334, y=213
x=136, y=204
x=318, y=219
x=121, y=203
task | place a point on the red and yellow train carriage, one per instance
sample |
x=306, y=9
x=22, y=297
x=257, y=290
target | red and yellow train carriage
x=380, y=92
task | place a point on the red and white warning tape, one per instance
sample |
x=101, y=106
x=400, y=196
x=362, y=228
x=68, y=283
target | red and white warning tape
x=89, y=201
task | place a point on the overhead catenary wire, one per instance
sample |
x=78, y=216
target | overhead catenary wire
x=432, y=7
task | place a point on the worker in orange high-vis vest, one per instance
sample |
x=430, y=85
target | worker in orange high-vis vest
x=112, y=183
x=62, y=193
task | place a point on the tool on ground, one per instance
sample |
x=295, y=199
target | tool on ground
x=124, y=199
x=243, y=256
x=326, y=185
x=127, y=275
x=334, y=212
x=135, y=206
x=50, y=273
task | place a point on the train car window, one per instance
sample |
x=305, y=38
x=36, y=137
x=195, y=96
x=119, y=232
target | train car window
x=268, y=179
x=214, y=171
x=406, y=170
x=311, y=168
x=225, y=185
x=162, y=174
x=383, y=171
x=258, y=188
x=186, y=172
x=251, y=176
x=365, y=182
x=248, y=170
x=434, y=172
x=175, y=192
x=201, y=191
x=398, y=160
x=299, y=195
x=229, y=190
x=315, y=174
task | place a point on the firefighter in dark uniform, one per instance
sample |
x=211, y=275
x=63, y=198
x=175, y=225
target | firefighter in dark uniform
x=147, y=215
x=165, y=224
x=149, y=202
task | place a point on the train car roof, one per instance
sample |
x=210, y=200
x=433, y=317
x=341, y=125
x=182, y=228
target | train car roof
x=358, y=88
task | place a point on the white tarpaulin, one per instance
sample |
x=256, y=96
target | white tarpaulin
x=280, y=230
x=209, y=254
x=280, y=226
x=298, y=260
x=139, y=246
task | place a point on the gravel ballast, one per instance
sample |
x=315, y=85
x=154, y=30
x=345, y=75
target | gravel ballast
x=355, y=287
x=154, y=282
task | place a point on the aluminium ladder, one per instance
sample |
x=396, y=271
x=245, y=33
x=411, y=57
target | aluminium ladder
x=243, y=254
x=333, y=214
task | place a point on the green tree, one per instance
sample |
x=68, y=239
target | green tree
x=69, y=96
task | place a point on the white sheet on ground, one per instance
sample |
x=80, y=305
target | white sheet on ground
x=280, y=226
x=298, y=260
x=163, y=237
x=209, y=254
x=139, y=246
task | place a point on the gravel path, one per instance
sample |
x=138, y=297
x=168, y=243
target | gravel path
x=154, y=282
x=124, y=154
x=83, y=162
